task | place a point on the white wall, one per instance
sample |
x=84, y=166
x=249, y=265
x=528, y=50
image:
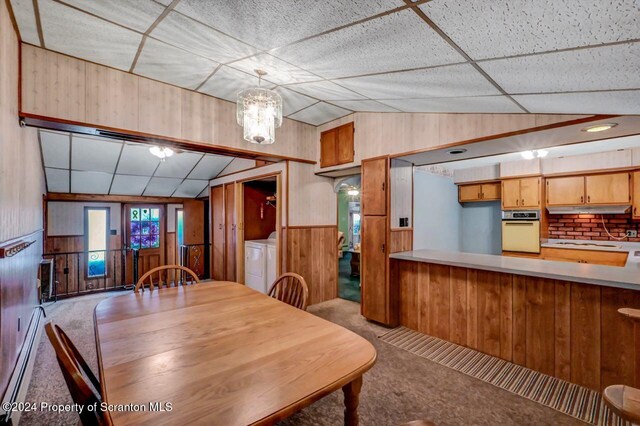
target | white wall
x=312, y=200
x=67, y=218
x=401, y=177
x=481, y=228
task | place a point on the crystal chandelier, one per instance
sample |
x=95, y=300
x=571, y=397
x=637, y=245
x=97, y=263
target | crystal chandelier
x=259, y=112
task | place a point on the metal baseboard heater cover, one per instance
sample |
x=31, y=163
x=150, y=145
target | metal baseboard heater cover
x=617, y=209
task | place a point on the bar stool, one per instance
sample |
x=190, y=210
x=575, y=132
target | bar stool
x=621, y=399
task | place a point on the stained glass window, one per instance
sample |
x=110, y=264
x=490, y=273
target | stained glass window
x=96, y=241
x=145, y=228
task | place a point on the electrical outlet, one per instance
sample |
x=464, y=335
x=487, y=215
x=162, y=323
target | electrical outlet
x=632, y=233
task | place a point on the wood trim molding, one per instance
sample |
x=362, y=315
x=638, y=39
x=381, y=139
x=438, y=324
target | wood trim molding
x=476, y=182
x=98, y=198
x=310, y=226
x=135, y=136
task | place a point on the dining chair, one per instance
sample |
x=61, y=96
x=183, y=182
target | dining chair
x=179, y=274
x=82, y=383
x=291, y=289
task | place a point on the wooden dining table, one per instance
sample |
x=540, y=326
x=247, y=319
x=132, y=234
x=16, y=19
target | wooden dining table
x=221, y=353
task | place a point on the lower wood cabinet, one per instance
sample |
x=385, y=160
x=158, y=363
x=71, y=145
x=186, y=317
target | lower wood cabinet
x=595, y=257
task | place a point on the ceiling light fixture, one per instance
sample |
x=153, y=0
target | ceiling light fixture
x=536, y=153
x=259, y=112
x=162, y=152
x=353, y=192
x=599, y=127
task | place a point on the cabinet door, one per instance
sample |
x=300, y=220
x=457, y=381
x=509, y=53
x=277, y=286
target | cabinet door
x=217, y=233
x=374, y=268
x=490, y=191
x=510, y=193
x=345, y=144
x=608, y=189
x=636, y=194
x=329, y=148
x=530, y=193
x=230, y=231
x=374, y=186
x=469, y=193
x=565, y=191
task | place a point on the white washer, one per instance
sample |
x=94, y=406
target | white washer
x=260, y=264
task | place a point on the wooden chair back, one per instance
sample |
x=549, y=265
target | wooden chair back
x=82, y=383
x=180, y=276
x=291, y=289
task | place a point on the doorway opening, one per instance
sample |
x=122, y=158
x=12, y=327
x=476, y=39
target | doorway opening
x=349, y=224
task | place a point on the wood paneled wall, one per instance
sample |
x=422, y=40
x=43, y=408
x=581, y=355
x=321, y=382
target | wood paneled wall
x=568, y=330
x=59, y=87
x=21, y=190
x=401, y=240
x=313, y=253
x=255, y=199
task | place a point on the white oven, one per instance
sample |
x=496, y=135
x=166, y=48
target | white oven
x=521, y=231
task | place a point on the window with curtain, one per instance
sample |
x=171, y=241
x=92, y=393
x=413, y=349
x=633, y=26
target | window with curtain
x=96, y=241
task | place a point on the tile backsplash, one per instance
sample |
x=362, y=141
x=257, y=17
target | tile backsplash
x=590, y=226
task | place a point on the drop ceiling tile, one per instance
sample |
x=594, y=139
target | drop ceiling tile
x=90, y=182
x=367, y=105
x=190, y=188
x=135, y=14
x=191, y=35
x=511, y=27
x=77, y=34
x=94, y=154
x=453, y=80
x=137, y=160
x=319, y=113
x=393, y=42
x=269, y=24
x=55, y=149
x=483, y=104
x=128, y=185
x=26, y=20
x=210, y=166
x=625, y=102
x=278, y=71
x=326, y=91
x=57, y=180
x=292, y=101
x=178, y=165
x=227, y=82
x=162, y=187
x=601, y=68
x=166, y=63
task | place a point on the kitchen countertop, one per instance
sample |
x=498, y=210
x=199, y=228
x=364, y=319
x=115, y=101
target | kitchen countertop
x=627, y=276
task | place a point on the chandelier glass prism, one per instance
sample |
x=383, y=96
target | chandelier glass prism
x=259, y=112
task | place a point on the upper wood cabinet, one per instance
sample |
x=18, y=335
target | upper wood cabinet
x=479, y=192
x=636, y=195
x=611, y=188
x=565, y=191
x=521, y=193
x=336, y=146
x=375, y=186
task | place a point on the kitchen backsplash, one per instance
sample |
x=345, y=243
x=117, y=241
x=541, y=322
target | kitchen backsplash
x=589, y=226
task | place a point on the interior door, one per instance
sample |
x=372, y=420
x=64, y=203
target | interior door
x=230, y=231
x=530, y=192
x=374, y=187
x=565, y=191
x=217, y=232
x=511, y=193
x=145, y=232
x=608, y=189
x=374, y=268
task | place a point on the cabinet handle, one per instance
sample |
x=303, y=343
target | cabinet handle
x=588, y=198
x=522, y=202
x=479, y=195
x=517, y=201
x=220, y=226
x=582, y=198
x=635, y=211
x=383, y=247
x=383, y=186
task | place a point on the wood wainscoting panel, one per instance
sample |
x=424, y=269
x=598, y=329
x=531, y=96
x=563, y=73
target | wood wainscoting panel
x=564, y=329
x=401, y=240
x=312, y=252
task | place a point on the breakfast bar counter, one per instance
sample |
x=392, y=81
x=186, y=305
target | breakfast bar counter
x=558, y=318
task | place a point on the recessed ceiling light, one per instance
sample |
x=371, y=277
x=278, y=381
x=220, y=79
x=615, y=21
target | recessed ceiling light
x=599, y=127
x=456, y=151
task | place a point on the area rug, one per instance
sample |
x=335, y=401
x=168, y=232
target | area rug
x=568, y=398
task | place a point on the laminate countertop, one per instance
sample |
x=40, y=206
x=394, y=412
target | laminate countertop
x=627, y=276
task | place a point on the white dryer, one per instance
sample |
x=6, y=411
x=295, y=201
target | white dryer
x=260, y=264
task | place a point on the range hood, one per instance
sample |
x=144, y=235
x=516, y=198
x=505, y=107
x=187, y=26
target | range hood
x=616, y=209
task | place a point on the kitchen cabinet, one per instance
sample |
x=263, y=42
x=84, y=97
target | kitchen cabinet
x=336, y=146
x=612, y=188
x=374, y=269
x=562, y=191
x=636, y=195
x=595, y=257
x=521, y=193
x=479, y=192
x=230, y=231
x=217, y=233
x=374, y=186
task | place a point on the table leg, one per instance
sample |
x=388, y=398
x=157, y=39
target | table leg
x=351, y=400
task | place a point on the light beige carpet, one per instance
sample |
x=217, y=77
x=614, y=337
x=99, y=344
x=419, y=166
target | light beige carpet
x=400, y=387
